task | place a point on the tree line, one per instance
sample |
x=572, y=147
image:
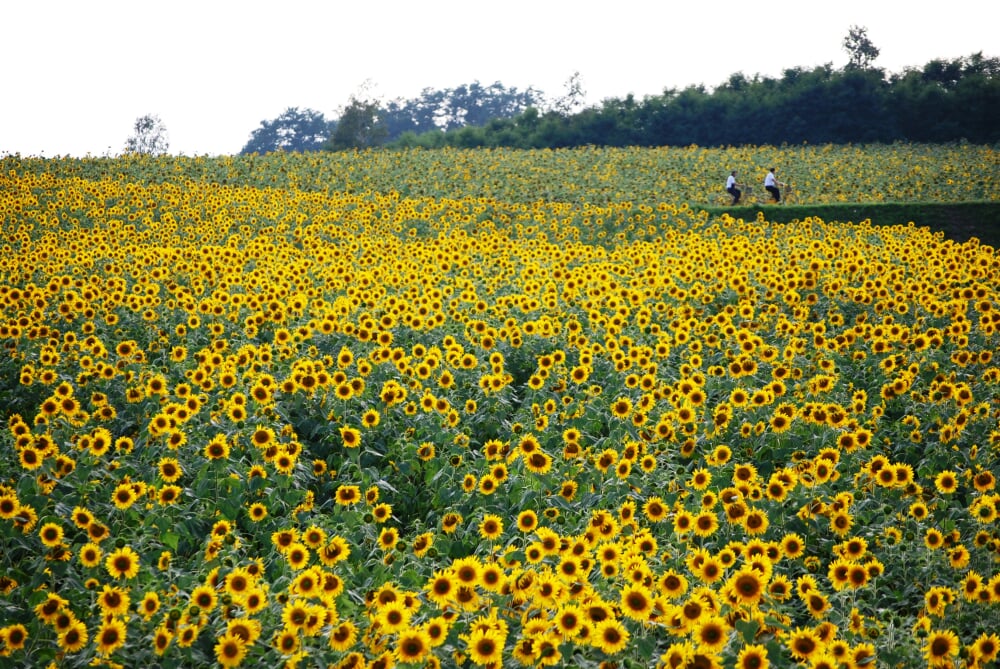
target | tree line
x=943, y=101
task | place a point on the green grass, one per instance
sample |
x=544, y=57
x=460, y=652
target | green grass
x=959, y=221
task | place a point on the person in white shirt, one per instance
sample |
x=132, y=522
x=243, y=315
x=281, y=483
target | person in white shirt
x=733, y=188
x=771, y=185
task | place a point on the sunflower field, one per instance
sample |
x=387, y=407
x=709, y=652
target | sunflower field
x=495, y=409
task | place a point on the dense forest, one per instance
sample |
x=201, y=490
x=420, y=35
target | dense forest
x=943, y=101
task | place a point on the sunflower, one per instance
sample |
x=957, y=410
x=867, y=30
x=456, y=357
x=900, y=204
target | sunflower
x=286, y=642
x=986, y=647
x=9, y=506
x=984, y=481
x=918, y=510
x=370, y=419
x=492, y=578
x=335, y=551
x=933, y=538
x=485, y=647
x=710, y=570
x=236, y=412
x=217, y=448
x=441, y=587
x=958, y=557
x=570, y=621
x=394, y=616
x=12, y=637
x=841, y=522
x=467, y=571
x=946, y=482
x=747, y=586
x=73, y=638
x=343, y=636
x=469, y=482
x=792, y=546
x=387, y=538
x=346, y=495
x=350, y=437
x=839, y=573
x=297, y=555
x=488, y=484
x=170, y=469
x=527, y=521
x=655, y=509
x=450, y=522
x=308, y=582
x=817, y=603
x=492, y=527
x=971, y=585
x=30, y=457
x=862, y=655
x=255, y=600
x=756, y=522
x=50, y=608
x=941, y=648
x=113, y=601
x=804, y=643
x=858, y=576
x=621, y=408
x=672, y=584
x=295, y=614
x=230, y=650
x=257, y=512
x=169, y=494
x=162, y=638
x=610, y=636
x=122, y=563
x=148, y=605
x=51, y=534
x=753, y=656
x=636, y=602
x=705, y=524
x=711, y=633
x=567, y=490
x=110, y=636
x=538, y=462
x=412, y=645
x=204, y=597
x=90, y=555
x=284, y=463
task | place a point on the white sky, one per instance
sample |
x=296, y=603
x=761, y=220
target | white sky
x=77, y=73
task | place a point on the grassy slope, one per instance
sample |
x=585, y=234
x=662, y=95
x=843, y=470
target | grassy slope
x=958, y=221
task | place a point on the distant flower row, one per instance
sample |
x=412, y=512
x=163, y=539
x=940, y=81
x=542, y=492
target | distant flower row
x=818, y=174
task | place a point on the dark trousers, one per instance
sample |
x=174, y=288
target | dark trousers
x=775, y=193
x=736, y=193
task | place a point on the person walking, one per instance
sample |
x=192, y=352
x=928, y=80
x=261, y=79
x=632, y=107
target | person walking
x=733, y=188
x=772, y=185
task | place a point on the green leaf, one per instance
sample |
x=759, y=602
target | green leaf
x=748, y=630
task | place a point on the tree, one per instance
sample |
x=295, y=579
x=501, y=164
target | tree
x=455, y=108
x=295, y=130
x=417, y=115
x=149, y=136
x=475, y=104
x=572, y=100
x=861, y=51
x=358, y=126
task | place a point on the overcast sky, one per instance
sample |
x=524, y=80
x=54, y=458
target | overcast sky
x=77, y=73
